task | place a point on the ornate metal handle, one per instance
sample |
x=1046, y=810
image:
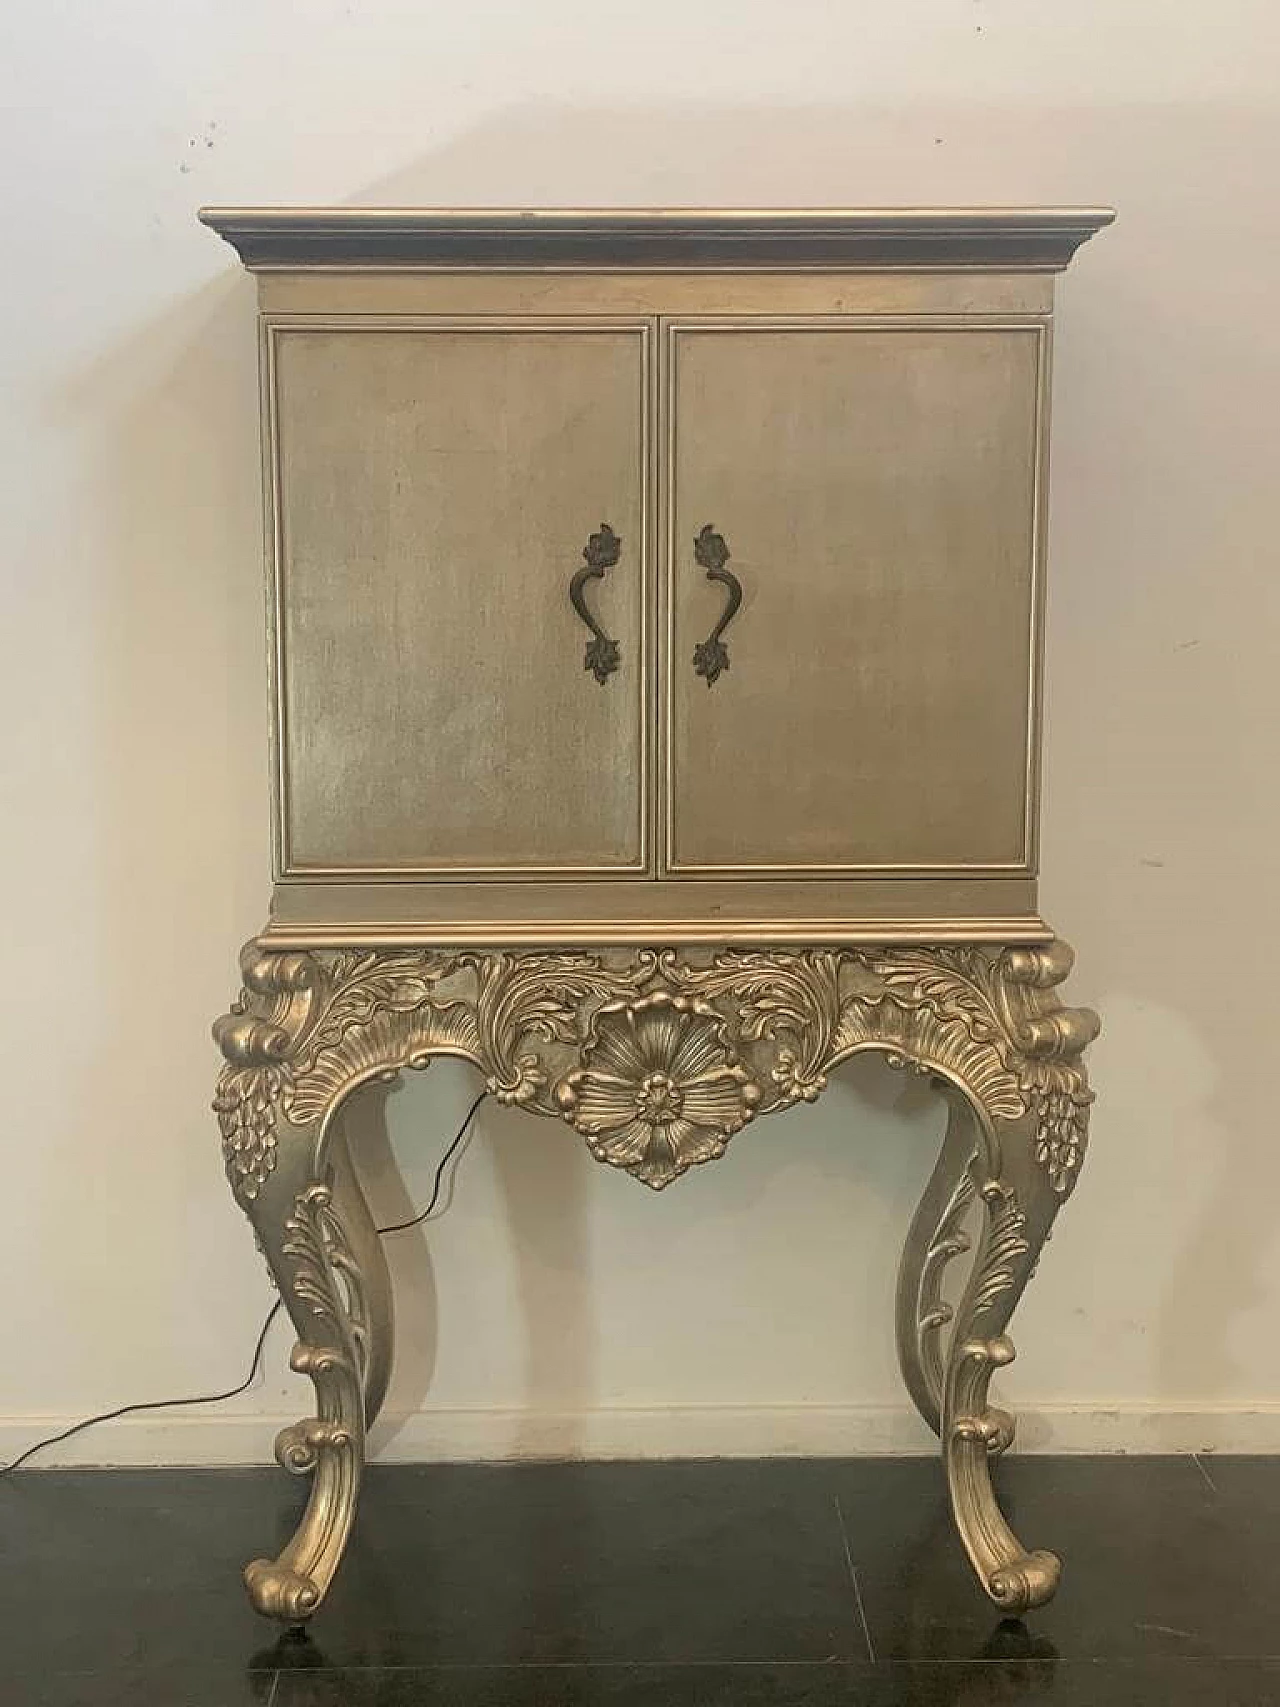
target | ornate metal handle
x=711, y=656
x=600, y=552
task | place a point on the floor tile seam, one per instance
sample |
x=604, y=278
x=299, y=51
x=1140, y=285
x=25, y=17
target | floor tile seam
x=1067, y=1662
x=936, y=1663
x=137, y=1672
x=830, y=1663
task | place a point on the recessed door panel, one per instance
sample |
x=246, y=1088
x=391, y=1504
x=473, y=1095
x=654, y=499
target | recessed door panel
x=851, y=589
x=437, y=487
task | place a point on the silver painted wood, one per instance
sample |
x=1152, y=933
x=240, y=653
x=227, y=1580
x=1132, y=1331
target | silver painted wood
x=878, y=715
x=432, y=487
x=655, y=602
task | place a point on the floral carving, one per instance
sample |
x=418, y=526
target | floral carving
x=796, y=997
x=659, y=1090
x=294, y=1014
x=656, y=1057
x=1025, y=1046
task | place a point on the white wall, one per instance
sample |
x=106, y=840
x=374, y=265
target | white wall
x=750, y=1307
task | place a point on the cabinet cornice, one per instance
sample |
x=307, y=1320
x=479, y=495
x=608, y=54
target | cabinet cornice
x=784, y=239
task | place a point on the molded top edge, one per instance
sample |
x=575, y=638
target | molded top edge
x=729, y=239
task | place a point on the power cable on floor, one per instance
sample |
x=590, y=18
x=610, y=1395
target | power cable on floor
x=272, y=1313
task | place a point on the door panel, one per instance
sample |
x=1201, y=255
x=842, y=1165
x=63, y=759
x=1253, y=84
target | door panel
x=436, y=487
x=876, y=490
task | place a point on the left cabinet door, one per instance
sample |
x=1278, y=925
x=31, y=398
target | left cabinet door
x=445, y=706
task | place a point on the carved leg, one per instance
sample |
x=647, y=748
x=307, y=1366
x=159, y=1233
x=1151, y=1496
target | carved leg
x=298, y=1218
x=352, y=1210
x=297, y=1185
x=657, y=1060
x=991, y=1026
x=936, y=1238
x=1019, y=1205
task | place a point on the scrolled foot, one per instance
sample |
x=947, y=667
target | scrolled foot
x=1026, y=1582
x=1019, y=1203
x=277, y=1591
x=301, y=1224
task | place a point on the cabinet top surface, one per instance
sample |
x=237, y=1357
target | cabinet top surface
x=1039, y=239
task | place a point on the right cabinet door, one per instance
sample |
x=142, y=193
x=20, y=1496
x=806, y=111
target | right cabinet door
x=860, y=501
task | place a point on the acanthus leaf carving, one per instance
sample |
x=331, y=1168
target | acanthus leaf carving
x=1003, y=1248
x=308, y=1028
x=933, y=1041
x=538, y=998
x=796, y=997
x=324, y=1275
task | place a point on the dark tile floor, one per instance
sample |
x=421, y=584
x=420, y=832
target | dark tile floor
x=781, y=1583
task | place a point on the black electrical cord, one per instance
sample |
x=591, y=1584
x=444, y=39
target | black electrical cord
x=272, y=1313
x=402, y=1226
x=151, y=1405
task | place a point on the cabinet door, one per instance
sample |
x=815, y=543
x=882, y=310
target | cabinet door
x=437, y=487
x=876, y=490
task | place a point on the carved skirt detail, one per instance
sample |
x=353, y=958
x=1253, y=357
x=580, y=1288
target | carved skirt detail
x=657, y=1058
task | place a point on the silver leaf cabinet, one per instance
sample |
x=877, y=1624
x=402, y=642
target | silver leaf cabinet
x=655, y=607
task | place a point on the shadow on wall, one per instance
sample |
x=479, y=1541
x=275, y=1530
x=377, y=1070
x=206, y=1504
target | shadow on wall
x=573, y=1236
x=1161, y=484
x=540, y=1187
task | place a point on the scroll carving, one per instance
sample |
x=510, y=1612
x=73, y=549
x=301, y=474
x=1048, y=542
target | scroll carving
x=656, y=1057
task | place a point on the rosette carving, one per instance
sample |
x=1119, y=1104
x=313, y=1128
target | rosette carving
x=553, y=1032
x=657, y=1058
x=659, y=1089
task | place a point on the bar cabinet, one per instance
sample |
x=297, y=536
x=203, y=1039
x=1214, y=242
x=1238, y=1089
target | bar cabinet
x=655, y=627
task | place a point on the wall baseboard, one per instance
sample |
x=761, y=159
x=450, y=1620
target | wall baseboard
x=694, y=1431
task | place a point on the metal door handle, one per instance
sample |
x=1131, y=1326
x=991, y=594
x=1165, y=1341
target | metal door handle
x=600, y=552
x=711, y=656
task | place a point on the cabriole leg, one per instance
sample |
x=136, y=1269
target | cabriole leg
x=352, y=1210
x=587, y=1037
x=302, y=1220
x=1019, y=1205
x=290, y=1170
x=937, y=1236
